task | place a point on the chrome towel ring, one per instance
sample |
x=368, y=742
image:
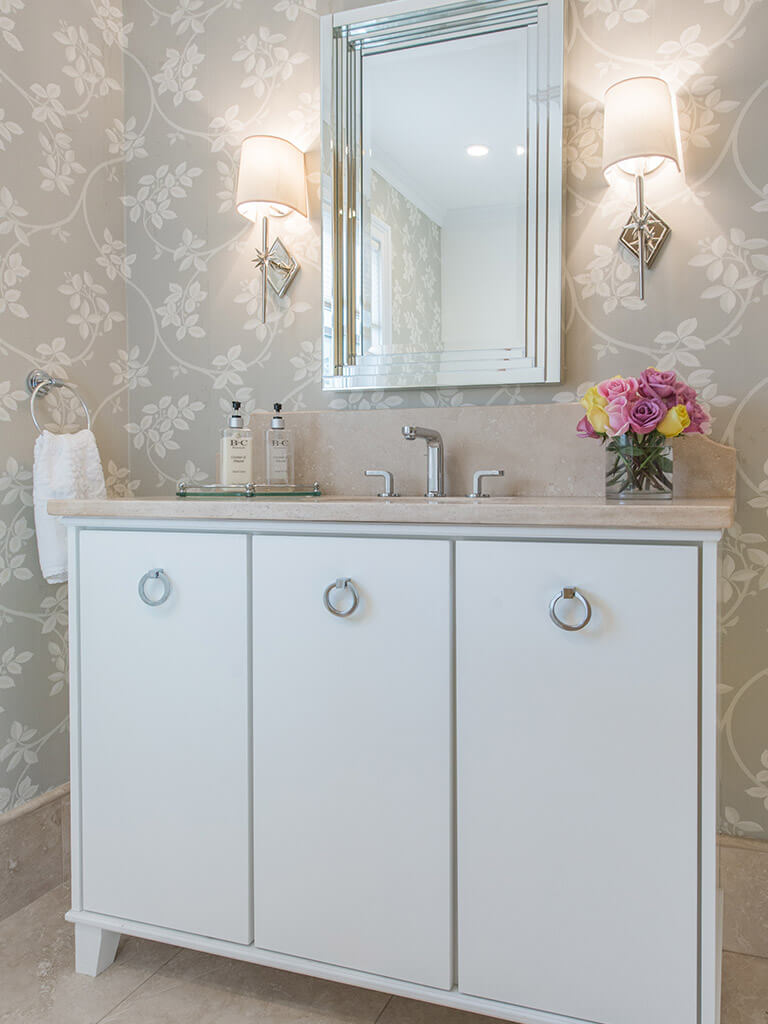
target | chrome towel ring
x=40, y=383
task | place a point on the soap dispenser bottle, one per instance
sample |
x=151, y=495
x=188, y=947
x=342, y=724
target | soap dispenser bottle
x=279, y=451
x=236, y=451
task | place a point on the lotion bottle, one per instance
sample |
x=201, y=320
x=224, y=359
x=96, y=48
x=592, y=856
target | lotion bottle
x=279, y=452
x=236, y=451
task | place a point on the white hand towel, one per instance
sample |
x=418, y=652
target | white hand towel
x=66, y=466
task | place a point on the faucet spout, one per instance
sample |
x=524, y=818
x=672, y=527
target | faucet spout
x=435, y=458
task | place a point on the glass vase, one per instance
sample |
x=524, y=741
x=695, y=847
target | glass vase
x=638, y=467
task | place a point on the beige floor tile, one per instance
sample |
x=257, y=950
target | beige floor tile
x=38, y=984
x=213, y=990
x=151, y=983
x=745, y=989
x=413, y=1011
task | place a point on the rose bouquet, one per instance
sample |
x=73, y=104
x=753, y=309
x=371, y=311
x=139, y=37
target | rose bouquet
x=635, y=417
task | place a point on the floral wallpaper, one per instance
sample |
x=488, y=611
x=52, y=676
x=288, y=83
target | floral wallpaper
x=62, y=307
x=416, y=281
x=199, y=75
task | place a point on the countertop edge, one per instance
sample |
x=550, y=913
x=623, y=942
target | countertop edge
x=683, y=514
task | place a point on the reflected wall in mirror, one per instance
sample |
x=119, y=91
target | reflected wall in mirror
x=442, y=204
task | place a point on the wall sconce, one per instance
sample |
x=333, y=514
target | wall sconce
x=641, y=134
x=271, y=181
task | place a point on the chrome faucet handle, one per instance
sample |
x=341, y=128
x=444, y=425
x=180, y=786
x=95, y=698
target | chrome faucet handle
x=477, y=481
x=389, y=482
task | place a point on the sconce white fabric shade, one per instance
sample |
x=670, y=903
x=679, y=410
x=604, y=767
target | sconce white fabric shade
x=640, y=129
x=272, y=174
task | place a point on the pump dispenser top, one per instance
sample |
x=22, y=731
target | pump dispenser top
x=236, y=417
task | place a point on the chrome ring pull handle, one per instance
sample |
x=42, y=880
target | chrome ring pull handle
x=570, y=594
x=342, y=583
x=155, y=574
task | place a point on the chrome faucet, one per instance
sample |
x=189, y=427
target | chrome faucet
x=435, y=459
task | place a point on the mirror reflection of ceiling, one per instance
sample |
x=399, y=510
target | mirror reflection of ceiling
x=423, y=108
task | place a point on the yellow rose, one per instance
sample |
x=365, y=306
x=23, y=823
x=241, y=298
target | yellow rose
x=675, y=422
x=593, y=398
x=598, y=418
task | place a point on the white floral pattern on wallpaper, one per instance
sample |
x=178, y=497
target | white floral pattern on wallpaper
x=62, y=306
x=199, y=75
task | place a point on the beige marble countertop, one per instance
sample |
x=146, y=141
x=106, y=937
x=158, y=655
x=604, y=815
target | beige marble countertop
x=675, y=514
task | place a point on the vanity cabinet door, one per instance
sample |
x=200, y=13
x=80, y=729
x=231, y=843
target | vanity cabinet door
x=352, y=755
x=164, y=731
x=577, y=779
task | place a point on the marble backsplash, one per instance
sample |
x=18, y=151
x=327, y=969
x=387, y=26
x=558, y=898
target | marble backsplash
x=536, y=446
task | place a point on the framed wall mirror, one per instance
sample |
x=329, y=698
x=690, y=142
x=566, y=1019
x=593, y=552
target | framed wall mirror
x=442, y=194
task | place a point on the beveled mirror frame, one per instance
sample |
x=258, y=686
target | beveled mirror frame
x=536, y=356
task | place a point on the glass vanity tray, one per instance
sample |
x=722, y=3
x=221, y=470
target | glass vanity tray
x=187, y=490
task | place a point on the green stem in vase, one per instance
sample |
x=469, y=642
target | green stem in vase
x=638, y=464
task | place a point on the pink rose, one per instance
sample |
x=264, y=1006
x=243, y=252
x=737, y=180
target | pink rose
x=658, y=383
x=585, y=429
x=645, y=415
x=618, y=386
x=684, y=394
x=700, y=420
x=618, y=416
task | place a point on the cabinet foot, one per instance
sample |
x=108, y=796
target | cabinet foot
x=95, y=949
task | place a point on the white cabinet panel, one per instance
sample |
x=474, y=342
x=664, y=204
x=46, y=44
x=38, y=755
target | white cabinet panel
x=352, y=755
x=165, y=731
x=577, y=780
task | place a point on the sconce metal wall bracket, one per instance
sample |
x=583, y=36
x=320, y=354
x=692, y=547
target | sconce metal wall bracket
x=278, y=268
x=281, y=268
x=644, y=234
x=657, y=232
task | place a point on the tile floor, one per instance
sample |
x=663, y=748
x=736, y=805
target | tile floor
x=150, y=983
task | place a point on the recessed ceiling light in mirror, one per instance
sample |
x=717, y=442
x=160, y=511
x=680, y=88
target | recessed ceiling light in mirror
x=477, y=151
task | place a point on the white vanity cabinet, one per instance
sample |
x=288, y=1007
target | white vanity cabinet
x=352, y=754
x=577, y=767
x=442, y=795
x=163, y=730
